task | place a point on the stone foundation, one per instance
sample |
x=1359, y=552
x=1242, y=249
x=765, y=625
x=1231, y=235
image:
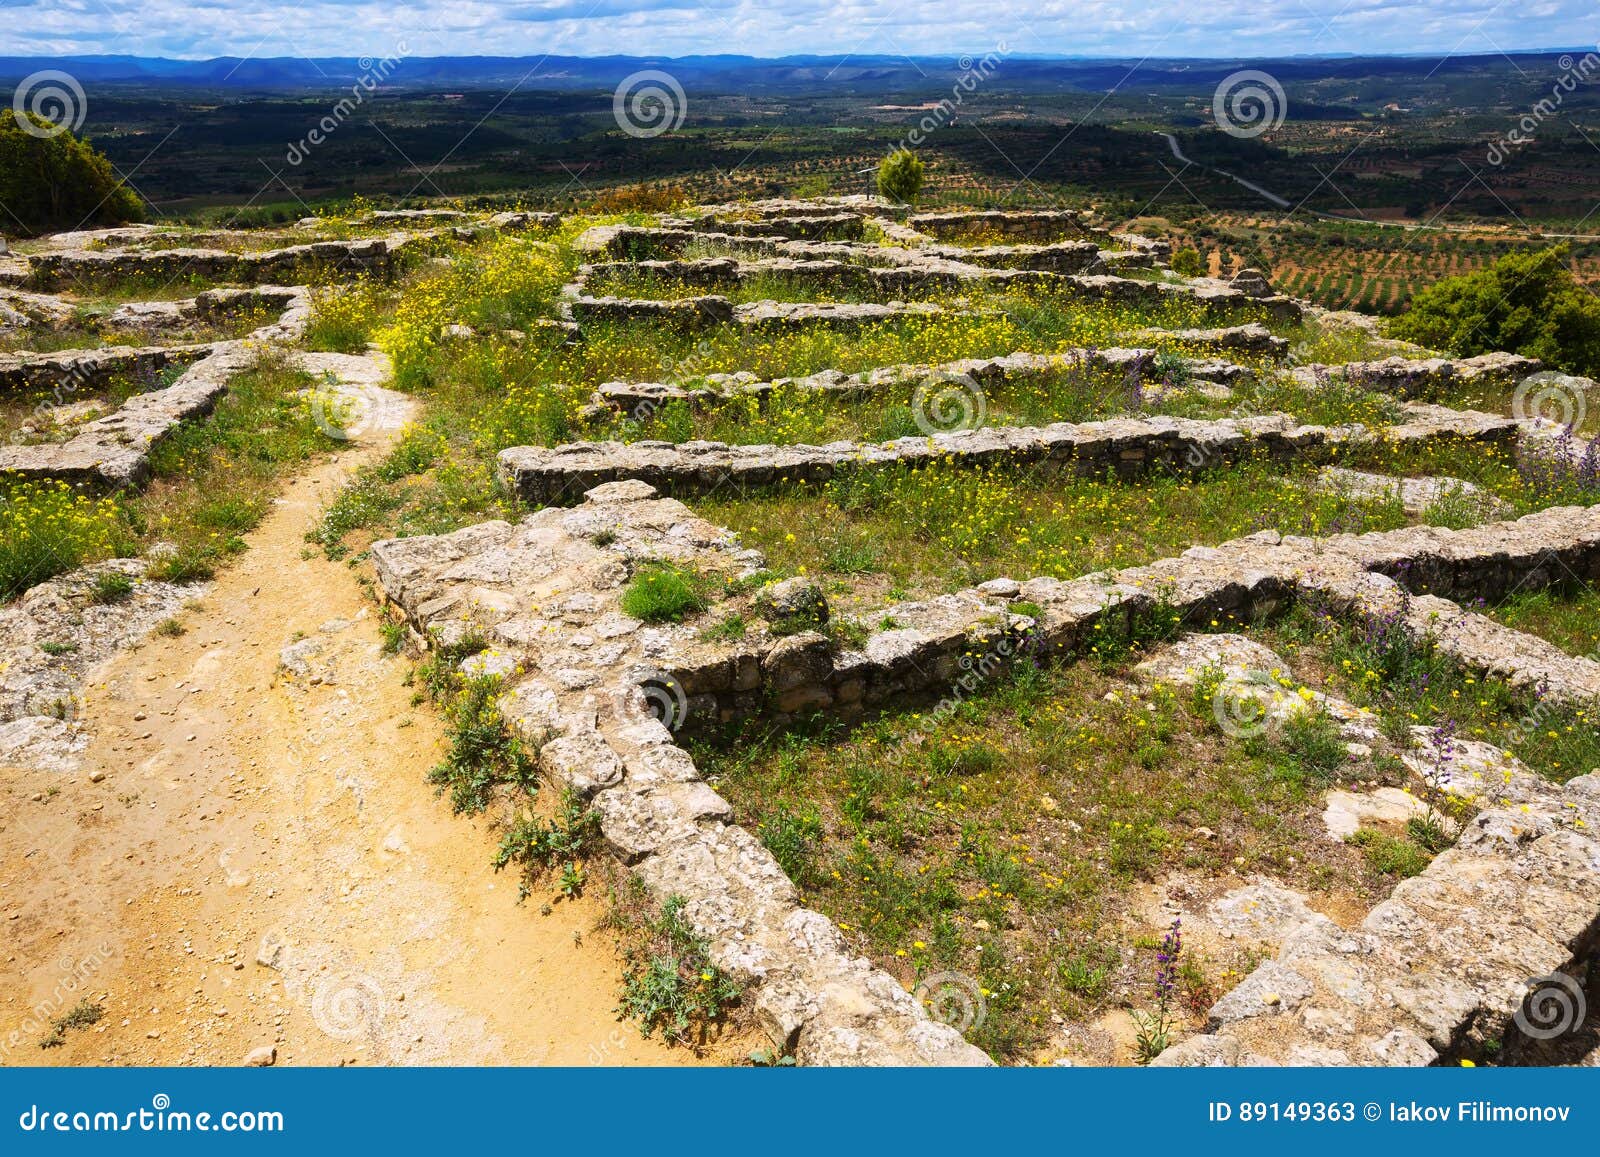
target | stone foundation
x=1129, y=447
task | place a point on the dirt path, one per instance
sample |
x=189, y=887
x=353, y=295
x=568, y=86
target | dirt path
x=261, y=862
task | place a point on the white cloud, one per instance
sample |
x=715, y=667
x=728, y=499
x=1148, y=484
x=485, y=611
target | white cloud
x=201, y=28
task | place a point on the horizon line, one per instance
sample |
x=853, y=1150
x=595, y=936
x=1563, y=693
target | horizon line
x=919, y=56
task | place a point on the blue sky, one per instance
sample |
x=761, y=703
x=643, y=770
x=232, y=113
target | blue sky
x=203, y=28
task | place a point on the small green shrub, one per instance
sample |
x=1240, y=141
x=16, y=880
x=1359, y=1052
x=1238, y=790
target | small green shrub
x=662, y=593
x=668, y=983
x=483, y=752
x=900, y=176
x=726, y=631
x=81, y=1015
x=393, y=632
x=1392, y=855
x=1309, y=748
x=1187, y=262
x=536, y=845
x=111, y=587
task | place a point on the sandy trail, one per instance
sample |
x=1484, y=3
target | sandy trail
x=263, y=863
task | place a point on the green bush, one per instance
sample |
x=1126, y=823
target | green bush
x=537, y=846
x=1526, y=303
x=900, y=176
x=483, y=752
x=52, y=180
x=1188, y=262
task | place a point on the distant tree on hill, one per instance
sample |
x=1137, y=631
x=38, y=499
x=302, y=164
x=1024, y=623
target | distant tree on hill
x=49, y=179
x=900, y=176
x=1525, y=303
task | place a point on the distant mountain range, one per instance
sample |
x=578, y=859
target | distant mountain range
x=815, y=74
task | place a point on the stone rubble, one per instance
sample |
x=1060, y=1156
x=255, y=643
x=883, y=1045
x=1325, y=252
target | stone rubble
x=40, y=687
x=294, y=264
x=1417, y=496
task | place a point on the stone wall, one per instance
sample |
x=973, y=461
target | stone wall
x=113, y=452
x=544, y=595
x=1072, y=269
x=88, y=370
x=1130, y=447
x=988, y=373
x=711, y=310
x=1022, y=225
x=374, y=257
x=1415, y=377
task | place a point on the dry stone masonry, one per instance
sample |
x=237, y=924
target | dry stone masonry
x=543, y=595
x=1127, y=446
x=113, y=452
x=1433, y=973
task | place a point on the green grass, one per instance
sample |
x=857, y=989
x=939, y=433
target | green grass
x=663, y=593
x=1008, y=840
x=343, y=320
x=1569, y=619
x=944, y=527
x=1410, y=682
x=1398, y=856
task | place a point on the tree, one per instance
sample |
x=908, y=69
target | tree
x=1187, y=262
x=1525, y=303
x=49, y=179
x=900, y=176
